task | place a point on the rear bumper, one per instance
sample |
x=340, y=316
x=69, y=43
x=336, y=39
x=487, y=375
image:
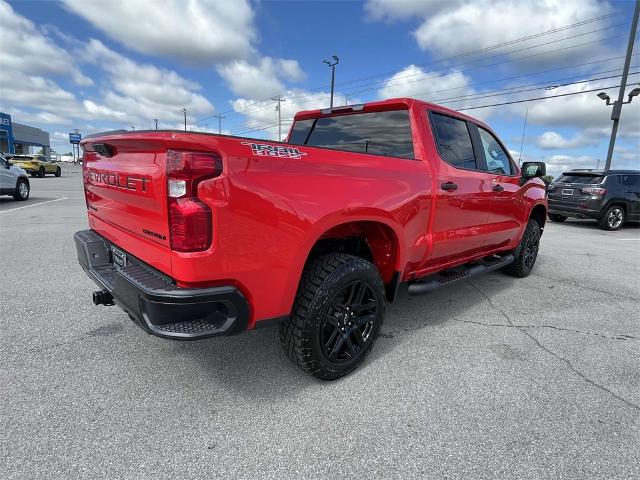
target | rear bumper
x=581, y=209
x=153, y=300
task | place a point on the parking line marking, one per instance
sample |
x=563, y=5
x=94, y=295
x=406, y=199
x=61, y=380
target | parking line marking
x=627, y=239
x=33, y=205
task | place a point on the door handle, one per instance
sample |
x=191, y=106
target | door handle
x=449, y=186
x=497, y=188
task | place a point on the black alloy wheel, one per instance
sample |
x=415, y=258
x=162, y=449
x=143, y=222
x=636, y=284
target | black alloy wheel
x=349, y=322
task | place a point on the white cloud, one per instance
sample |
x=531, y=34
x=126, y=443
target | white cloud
x=554, y=141
x=192, y=31
x=458, y=26
x=138, y=93
x=26, y=50
x=262, y=118
x=262, y=79
x=585, y=111
x=416, y=82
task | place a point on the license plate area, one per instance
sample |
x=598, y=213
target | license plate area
x=119, y=257
x=567, y=191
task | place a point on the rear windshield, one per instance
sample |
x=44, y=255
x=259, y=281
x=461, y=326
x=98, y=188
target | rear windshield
x=378, y=133
x=583, y=179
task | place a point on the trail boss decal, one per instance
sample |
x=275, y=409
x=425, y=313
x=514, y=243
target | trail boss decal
x=280, y=151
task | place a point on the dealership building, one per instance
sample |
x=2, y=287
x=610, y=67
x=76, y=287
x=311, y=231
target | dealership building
x=22, y=139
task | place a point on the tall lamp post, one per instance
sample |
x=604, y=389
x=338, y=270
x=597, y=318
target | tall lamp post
x=617, y=105
x=184, y=110
x=332, y=65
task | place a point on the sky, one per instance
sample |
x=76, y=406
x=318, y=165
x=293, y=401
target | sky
x=104, y=65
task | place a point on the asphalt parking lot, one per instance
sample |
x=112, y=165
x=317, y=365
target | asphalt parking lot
x=493, y=378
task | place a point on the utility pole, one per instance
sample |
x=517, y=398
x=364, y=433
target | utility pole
x=279, y=99
x=184, y=110
x=156, y=120
x=617, y=105
x=332, y=65
x=219, y=117
x=524, y=129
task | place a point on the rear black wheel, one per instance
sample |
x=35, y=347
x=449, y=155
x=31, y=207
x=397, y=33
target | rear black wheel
x=41, y=172
x=613, y=218
x=554, y=217
x=336, y=316
x=527, y=252
x=58, y=172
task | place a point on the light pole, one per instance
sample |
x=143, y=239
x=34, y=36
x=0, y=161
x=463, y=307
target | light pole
x=184, y=110
x=617, y=105
x=156, y=120
x=333, y=64
x=279, y=99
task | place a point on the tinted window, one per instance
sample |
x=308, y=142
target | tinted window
x=583, y=179
x=629, y=180
x=379, y=133
x=300, y=131
x=454, y=141
x=497, y=159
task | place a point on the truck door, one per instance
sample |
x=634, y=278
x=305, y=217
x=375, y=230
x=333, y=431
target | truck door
x=463, y=192
x=505, y=216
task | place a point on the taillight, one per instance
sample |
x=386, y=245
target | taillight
x=594, y=190
x=190, y=220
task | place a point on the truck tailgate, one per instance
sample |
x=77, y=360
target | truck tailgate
x=125, y=189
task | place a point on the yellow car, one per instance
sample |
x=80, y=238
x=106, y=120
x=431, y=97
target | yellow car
x=36, y=165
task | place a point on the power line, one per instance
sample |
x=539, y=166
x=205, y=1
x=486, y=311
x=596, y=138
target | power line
x=485, y=49
x=537, y=98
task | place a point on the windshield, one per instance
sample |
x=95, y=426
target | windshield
x=378, y=133
x=582, y=179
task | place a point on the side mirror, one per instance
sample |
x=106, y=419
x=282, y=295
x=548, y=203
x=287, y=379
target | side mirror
x=9, y=164
x=533, y=169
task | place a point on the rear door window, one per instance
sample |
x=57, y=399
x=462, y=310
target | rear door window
x=496, y=158
x=378, y=133
x=454, y=141
x=629, y=180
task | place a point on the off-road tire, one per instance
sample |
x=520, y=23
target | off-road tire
x=323, y=281
x=529, y=244
x=19, y=193
x=606, y=222
x=58, y=172
x=554, y=217
x=41, y=172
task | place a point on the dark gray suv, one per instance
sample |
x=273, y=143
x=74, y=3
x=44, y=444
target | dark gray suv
x=611, y=198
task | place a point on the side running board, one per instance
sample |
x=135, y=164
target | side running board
x=447, y=277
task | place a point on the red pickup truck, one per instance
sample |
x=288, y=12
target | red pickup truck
x=197, y=235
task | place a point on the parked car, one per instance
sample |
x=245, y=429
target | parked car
x=37, y=165
x=612, y=198
x=197, y=235
x=13, y=180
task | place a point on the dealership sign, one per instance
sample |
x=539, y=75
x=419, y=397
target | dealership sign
x=75, y=137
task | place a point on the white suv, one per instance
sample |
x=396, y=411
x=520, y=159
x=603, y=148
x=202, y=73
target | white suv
x=13, y=180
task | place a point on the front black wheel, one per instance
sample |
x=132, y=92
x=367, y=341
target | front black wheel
x=613, y=218
x=527, y=252
x=58, y=172
x=554, y=217
x=41, y=172
x=22, y=190
x=337, y=315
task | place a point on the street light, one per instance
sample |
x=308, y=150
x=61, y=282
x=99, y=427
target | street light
x=333, y=74
x=604, y=96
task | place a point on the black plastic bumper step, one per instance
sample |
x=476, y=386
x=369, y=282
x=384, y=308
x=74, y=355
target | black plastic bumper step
x=448, y=277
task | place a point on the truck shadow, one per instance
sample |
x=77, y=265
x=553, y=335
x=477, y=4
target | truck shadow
x=253, y=365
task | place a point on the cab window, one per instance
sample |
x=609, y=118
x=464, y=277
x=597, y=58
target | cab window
x=497, y=160
x=454, y=141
